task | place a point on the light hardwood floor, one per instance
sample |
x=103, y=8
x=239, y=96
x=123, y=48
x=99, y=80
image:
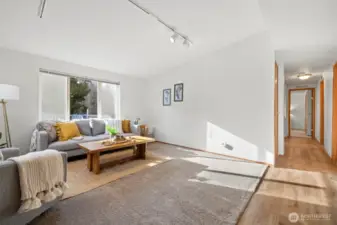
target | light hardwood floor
x=305, y=154
x=303, y=181
x=299, y=133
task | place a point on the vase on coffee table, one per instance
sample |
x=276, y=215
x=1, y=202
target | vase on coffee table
x=112, y=138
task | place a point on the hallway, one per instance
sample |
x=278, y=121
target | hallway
x=305, y=154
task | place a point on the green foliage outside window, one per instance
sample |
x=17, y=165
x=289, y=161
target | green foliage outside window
x=78, y=92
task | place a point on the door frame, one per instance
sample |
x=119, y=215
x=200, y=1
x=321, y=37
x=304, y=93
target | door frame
x=334, y=116
x=306, y=113
x=321, y=112
x=313, y=119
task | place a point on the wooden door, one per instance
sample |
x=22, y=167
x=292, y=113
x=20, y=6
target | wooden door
x=321, y=112
x=334, y=115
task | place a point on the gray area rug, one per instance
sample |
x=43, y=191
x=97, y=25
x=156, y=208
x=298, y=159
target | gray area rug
x=192, y=188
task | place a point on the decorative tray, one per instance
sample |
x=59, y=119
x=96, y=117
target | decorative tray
x=109, y=142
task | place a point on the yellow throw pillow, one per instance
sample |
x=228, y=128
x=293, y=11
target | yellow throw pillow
x=66, y=131
x=126, y=126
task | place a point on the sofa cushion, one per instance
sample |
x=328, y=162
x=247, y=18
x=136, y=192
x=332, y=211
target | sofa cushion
x=126, y=126
x=67, y=130
x=96, y=138
x=84, y=127
x=73, y=144
x=1, y=157
x=64, y=145
x=98, y=127
x=49, y=127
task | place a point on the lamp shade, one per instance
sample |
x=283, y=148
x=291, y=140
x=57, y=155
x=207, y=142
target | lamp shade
x=9, y=92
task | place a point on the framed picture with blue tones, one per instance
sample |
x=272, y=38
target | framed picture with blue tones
x=179, y=92
x=167, y=97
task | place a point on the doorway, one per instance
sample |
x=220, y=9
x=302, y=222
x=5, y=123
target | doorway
x=301, y=112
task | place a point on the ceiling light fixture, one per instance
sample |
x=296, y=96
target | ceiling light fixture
x=304, y=76
x=187, y=42
x=41, y=8
x=174, y=37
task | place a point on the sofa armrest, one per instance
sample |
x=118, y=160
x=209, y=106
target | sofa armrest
x=42, y=141
x=10, y=152
x=10, y=193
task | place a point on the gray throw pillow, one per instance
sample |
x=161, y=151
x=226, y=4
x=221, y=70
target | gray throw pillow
x=98, y=127
x=48, y=126
x=84, y=127
x=1, y=156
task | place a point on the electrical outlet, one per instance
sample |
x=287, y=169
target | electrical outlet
x=229, y=147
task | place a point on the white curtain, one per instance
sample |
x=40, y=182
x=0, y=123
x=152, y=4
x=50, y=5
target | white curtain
x=53, y=97
x=108, y=95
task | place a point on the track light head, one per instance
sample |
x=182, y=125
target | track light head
x=174, y=37
x=187, y=43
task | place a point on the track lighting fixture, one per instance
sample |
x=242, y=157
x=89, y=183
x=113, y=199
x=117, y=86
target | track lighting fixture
x=187, y=43
x=41, y=8
x=174, y=37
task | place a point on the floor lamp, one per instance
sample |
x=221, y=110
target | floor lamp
x=7, y=92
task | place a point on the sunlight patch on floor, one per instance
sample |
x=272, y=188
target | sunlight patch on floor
x=227, y=173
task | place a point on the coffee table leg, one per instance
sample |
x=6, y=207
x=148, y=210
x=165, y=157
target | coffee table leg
x=95, y=163
x=89, y=161
x=141, y=151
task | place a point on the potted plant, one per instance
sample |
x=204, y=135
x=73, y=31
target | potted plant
x=112, y=131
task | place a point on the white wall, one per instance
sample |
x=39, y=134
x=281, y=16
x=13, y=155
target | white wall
x=228, y=100
x=22, y=69
x=328, y=84
x=281, y=101
x=297, y=110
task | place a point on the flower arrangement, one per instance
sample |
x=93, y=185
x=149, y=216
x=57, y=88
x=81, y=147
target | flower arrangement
x=112, y=131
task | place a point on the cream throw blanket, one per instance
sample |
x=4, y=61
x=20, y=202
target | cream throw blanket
x=41, y=178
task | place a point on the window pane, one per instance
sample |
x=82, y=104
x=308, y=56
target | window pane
x=53, y=97
x=109, y=100
x=83, y=98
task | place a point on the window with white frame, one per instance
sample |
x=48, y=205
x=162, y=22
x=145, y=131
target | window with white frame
x=68, y=98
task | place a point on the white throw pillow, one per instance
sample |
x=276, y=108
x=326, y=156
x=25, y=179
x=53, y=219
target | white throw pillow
x=117, y=124
x=1, y=156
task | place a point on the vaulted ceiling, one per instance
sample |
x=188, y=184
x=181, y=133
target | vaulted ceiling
x=116, y=36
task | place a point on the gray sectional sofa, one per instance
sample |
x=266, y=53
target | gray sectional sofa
x=10, y=193
x=91, y=130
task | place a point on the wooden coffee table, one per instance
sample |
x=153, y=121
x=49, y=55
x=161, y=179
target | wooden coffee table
x=93, y=150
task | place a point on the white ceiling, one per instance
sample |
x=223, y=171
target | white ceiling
x=116, y=36
x=304, y=35
x=312, y=61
